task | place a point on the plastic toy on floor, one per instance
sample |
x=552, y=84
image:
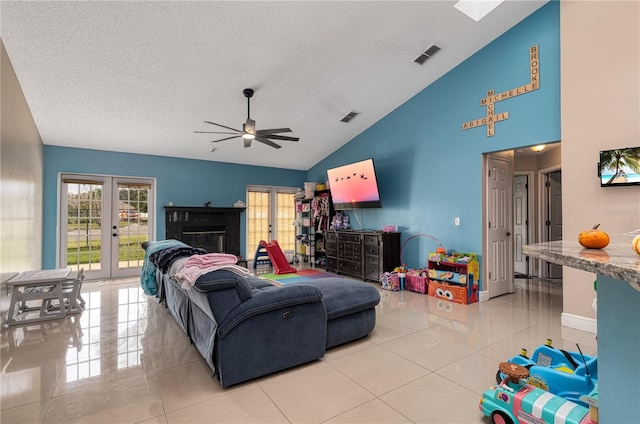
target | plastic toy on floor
x=278, y=258
x=513, y=401
x=567, y=374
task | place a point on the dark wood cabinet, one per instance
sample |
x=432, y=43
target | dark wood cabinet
x=362, y=254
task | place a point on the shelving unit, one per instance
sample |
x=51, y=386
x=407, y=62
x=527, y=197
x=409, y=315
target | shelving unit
x=454, y=278
x=305, y=235
x=313, y=217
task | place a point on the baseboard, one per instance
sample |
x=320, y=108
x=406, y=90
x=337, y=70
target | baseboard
x=579, y=322
x=484, y=295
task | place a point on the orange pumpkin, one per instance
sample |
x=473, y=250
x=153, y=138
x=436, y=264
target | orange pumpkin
x=593, y=238
x=636, y=244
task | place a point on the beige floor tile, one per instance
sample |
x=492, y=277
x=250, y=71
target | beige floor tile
x=409, y=318
x=374, y=411
x=313, y=393
x=434, y=399
x=186, y=385
x=378, y=370
x=387, y=330
x=24, y=384
x=475, y=372
x=25, y=414
x=123, y=401
x=247, y=405
x=431, y=349
x=160, y=419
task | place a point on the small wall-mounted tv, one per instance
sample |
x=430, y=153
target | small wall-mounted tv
x=354, y=186
x=619, y=167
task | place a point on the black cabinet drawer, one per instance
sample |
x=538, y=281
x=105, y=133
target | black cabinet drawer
x=372, y=273
x=349, y=267
x=373, y=260
x=349, y=238
x=331, y=236
x=371, y=250
x=371, y=240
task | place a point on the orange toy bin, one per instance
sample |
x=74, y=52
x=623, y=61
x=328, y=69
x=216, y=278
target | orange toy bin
x=454, y=293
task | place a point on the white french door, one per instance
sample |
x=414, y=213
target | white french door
x=270, y=215
x=103, y=222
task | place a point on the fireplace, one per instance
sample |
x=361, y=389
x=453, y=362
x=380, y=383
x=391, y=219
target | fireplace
x=213, y=239
x=217, y=230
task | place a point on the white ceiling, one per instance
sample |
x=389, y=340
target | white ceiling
x=141, y=76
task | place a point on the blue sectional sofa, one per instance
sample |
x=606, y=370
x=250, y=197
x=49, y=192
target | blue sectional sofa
x=245, y=327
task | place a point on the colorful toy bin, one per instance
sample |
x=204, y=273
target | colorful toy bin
x=454, y=276
x=390, y=281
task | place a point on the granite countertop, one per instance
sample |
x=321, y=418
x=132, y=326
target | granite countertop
x=617, y=260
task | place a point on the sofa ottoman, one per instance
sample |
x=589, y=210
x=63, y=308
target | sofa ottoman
x=350, y=307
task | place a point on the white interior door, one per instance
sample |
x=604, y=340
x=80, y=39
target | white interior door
x=520, y=223
x=499, y=240
x=99, y=232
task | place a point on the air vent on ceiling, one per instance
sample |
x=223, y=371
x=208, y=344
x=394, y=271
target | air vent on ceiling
x=427, y=54
x=349, y=116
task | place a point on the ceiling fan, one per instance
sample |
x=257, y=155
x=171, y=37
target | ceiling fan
x=249, y=132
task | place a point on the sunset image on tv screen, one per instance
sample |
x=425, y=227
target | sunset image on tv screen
x=354, y=184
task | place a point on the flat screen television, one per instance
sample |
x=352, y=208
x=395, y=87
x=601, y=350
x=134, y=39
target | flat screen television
x=619, y=167
x=354, y=186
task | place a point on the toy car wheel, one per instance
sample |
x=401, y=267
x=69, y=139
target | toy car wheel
x=498, y=417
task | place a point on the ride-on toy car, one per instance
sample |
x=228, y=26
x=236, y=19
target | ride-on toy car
x=515, y=401
x=566, y=374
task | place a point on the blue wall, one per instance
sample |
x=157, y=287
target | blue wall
x=429, y=169
x=185, y=182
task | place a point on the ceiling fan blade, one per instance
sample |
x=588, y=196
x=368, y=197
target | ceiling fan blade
x=247, y=142
x=267, y=142
x=228, y=138
x=223, y=126
x=273, y=131
x=282, y=137
x=212, y=132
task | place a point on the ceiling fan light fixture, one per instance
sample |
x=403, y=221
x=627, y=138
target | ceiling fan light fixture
x=538, y=148
x=249, y=129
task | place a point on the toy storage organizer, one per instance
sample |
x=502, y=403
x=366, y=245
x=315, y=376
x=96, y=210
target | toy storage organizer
x=454, y=277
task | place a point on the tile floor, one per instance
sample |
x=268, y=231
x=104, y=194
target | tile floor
x=124, y=360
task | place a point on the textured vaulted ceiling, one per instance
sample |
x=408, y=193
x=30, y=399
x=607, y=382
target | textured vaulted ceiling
x=141, y=76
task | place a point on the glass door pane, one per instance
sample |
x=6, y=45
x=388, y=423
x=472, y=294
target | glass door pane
x=258, y=217
x=82, y=241
x=285, y=216
x=131, y=206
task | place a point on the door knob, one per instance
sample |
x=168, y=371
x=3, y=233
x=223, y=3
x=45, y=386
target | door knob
x=508, y=233
x=115, y=234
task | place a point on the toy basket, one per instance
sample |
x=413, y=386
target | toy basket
x=390, y=281
x=416, y=283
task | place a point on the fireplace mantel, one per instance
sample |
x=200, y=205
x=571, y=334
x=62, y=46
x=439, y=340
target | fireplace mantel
x=207, y=225
x=202, y=209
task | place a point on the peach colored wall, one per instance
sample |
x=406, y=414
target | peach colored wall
x=600, y=57
x=21, y=175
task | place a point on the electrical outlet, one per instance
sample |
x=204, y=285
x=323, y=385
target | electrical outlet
x=456, y=221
